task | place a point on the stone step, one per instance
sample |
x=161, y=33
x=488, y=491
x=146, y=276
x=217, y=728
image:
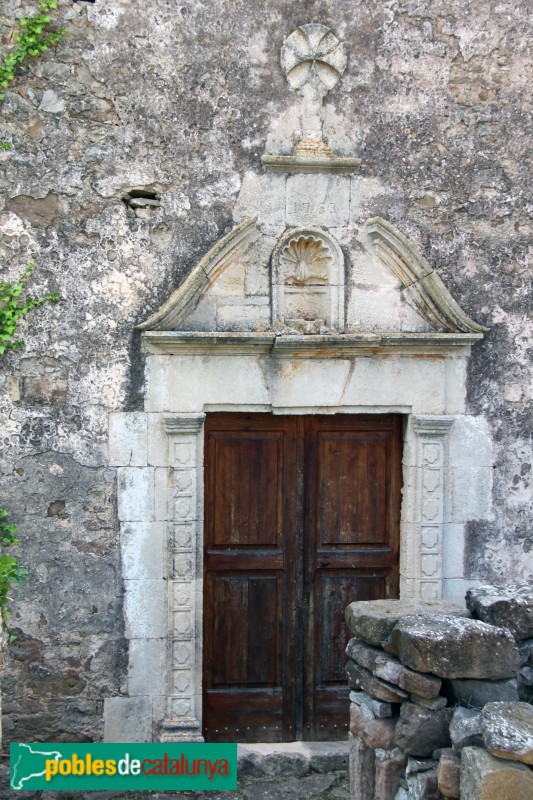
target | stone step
x=296, y=759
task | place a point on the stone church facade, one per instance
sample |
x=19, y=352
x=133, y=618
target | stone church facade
x=252, y=213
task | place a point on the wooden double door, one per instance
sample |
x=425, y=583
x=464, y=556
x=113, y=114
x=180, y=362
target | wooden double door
x=301, y=518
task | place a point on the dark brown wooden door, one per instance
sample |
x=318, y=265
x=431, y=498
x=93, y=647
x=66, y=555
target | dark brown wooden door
x=301, y=518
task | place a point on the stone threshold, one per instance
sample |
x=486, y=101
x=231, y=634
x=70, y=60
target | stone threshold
x=292, y=758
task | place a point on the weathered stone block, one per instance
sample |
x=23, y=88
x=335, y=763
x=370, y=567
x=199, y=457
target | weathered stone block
x=420, y=731
x=146, y=657
x=507, y=730
x=144, y=606
x=449, y=774
x=476, y=693
x=454, y=647
x=362, y=653
x=509, y=606
x=380, y=709
x=465, y=729
x=142, y=546
x=379, y=733
x=359, y=717
x=423, y=786
x=391, y=670
x=128, y=439
x=361, y=678
x=389, y=769
x=374, y=620
x=136, y=496
x=433, y=703
x=128, y=719
x=484, y=777
x=362, y=769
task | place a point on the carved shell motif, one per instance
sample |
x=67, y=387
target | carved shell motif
x=306, y=259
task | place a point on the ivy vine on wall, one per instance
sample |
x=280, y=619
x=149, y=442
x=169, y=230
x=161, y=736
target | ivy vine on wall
x=12, y=308
x=33, y=38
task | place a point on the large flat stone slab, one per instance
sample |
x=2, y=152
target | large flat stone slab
x=454, y=647
x=373, y=620
x=361, y=678
x=508, y=731
x=291, y=758
x=484, y=777
x=508, y=606
x=389, y=669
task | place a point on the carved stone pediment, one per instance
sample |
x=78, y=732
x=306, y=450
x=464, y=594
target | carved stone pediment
x=423, y=287
x=301, y=283
x=302, y=261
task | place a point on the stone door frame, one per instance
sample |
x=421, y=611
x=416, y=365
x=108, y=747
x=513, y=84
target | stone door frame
x=159, y=455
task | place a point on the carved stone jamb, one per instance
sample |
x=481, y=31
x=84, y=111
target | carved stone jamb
x=308, y=275
x=184, y=710
x=424, y=549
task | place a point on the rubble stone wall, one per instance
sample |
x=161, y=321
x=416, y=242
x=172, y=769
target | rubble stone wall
x=437, y=707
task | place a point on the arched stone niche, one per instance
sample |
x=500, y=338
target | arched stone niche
x=308, y=282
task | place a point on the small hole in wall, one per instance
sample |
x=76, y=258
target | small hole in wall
x=142, y=200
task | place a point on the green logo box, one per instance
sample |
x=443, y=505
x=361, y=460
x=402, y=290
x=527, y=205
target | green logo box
x=86, y=767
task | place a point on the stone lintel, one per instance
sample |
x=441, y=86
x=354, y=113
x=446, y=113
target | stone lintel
x=305, y=345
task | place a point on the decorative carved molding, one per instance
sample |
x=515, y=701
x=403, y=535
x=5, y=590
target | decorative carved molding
x=431, y=461
x=313, y=61
x=185, y=299
x=182, y=722
x=183, y=423
x=312, y=54
x=424, y=290
x=308, y=281
x=308, y=259
x=307, y=163
x=305, y=346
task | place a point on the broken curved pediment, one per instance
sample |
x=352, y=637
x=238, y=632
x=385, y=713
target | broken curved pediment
x=249, y=281
x=187, y=296
x=423, y=287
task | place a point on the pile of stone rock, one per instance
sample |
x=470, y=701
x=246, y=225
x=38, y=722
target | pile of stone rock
x=435, y=710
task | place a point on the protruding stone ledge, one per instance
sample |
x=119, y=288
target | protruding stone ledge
x=293, y=164
x=347, y=345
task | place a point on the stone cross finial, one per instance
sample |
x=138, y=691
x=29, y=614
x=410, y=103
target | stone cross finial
x=313, y=60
